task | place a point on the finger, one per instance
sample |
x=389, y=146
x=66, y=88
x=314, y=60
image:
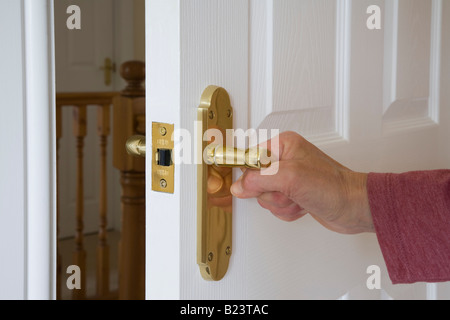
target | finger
x=281, y=146
x=276, y=199
x=252, y=183
x=274, y=147
x=289, y=214
x=289, y=219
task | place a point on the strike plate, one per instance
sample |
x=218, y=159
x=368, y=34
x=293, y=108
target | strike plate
x=214, y=202
x=163, y=169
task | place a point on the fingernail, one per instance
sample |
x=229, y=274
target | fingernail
x=236, y=188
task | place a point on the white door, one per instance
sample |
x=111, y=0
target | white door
x=80, y=55
x=372, y=99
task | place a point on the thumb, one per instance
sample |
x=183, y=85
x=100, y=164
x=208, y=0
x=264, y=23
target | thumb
x=252, y=183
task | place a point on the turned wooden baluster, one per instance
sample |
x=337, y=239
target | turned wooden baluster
x=103, y=127
x=127, y=108
x=79, y=256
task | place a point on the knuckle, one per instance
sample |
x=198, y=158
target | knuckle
x=293, y=137
x=290, y=135
x=294, y=145
x=291, y=178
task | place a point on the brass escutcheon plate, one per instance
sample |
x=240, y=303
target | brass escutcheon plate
x=214, y=201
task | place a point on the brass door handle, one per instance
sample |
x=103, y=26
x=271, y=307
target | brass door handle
x=253, y=158
x=136, y=146
x=214, y=220
x=214, y=179
x=108, y=68
x=217, y=155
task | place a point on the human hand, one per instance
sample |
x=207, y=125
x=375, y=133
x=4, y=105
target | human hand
x=309, y=181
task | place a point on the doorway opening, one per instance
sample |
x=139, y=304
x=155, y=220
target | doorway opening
x=100, y=101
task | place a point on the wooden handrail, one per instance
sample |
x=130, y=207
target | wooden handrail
x=85, y=98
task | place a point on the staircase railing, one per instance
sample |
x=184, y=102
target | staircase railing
x=128, y=107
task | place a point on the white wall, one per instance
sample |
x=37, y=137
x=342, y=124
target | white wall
x=12, y=170
x=27, y=205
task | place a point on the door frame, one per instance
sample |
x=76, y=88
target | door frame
x=40, y=146
x=34, y=208
x=32, y=162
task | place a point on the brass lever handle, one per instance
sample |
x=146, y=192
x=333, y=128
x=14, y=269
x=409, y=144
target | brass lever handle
x=136, y=146
x=253, y=158
x=217, y=155
x=108, y=68
x=214, y=201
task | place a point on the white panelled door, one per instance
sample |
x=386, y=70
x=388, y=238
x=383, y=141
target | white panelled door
x=372, y=99
x=81, y=53
x=79, y=57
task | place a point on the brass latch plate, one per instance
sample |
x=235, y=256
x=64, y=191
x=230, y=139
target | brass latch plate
x=163, y=169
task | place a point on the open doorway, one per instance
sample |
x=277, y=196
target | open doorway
x=99, y=52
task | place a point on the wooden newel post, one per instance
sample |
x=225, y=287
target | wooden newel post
x=129, y=120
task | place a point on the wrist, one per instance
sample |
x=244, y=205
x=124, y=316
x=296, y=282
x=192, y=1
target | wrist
x=358, y=200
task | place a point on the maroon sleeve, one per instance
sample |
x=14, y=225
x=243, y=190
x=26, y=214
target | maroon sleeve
x=411, y=214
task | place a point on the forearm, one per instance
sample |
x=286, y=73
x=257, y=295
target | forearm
x=411, y=215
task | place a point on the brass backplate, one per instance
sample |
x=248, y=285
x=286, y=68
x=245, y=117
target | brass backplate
x=162, y=143
x=214, y=201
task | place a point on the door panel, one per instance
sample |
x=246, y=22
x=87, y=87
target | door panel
x=81, y=53
x=411, y=82
x=369, y=98
x=304, y=54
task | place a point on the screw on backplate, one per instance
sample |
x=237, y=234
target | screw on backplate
x=211, y=115
x=163, y=131
x=229, y=113
x=228, y=251
x=210, y=256
x=163, y=183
